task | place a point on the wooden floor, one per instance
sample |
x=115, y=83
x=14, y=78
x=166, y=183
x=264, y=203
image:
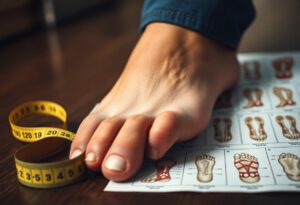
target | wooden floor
x=75, y=66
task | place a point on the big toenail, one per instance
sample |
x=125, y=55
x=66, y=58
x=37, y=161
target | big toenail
x=90, y=157
x=76, y=153
x=115, y=163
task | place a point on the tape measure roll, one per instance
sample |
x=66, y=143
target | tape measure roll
x=32, y=170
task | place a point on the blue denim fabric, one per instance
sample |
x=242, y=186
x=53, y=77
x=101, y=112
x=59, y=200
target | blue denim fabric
x=222, y=20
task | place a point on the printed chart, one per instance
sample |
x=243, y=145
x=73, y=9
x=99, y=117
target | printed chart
x=252, y=143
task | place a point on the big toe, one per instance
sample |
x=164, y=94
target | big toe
x=125, y=156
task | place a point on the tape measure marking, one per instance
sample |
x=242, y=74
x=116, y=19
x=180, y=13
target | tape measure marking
x=45, y=142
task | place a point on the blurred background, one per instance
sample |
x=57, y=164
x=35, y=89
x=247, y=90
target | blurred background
x=20, y=17
x=276, y=27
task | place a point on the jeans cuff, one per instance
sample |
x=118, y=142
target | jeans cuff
x=224, y=32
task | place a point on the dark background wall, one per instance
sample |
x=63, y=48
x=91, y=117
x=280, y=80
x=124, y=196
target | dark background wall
x=276, y=28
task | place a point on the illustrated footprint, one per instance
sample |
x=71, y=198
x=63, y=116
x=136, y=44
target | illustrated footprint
x=261, y=130
x=247, y=165
x=285, y=131
x=163, y=167
x=227, y=131
x=205, y=164
x=252, y=131
x=217, y=129
x=291, y=165
x=293, y=126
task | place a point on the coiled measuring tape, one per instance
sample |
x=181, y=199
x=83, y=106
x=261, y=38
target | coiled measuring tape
x=32, y=161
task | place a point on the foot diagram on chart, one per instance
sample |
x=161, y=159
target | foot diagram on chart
x=226, y=135
x=261, y=135
x=205, y=164
x=285, y=96
x=163, y=167
x=224, y=100
x=283, y=67
x=247, y=165
x=251, y=70
x=292, y=132
x=251, y=101
x=291, y=165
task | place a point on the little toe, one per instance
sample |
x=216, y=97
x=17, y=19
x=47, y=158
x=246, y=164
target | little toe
x=101, y=141
x=84, y=134
x=162, y=135
x=126, y=153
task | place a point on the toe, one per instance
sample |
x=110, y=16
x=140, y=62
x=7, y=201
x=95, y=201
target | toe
x=162, y=135
x=84, y=134
x=101, y=141
x=126, y=153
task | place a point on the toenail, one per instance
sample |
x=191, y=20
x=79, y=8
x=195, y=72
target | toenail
x=76, y=153
x=90, y=157
x=115, y=163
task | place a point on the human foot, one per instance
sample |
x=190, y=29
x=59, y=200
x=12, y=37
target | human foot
x=291, y=165
x=205, y=164
x=165, y=94
x=247, y=165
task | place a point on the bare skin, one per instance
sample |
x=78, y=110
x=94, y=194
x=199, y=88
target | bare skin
x=165, y=94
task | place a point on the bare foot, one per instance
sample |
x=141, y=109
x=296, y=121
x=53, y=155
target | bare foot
x=165, y=94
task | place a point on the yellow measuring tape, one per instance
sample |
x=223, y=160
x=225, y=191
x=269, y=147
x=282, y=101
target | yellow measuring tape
x=33, y=161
